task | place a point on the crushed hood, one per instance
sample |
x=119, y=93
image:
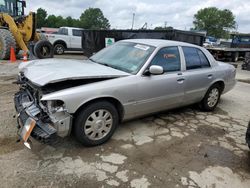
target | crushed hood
x=45, y=71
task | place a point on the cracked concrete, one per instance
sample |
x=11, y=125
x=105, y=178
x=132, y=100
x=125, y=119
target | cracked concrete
x=178, y=148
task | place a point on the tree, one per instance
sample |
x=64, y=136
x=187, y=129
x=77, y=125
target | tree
x=71, y=22
x=41, y=15
x=93, y=18
x=51, y=21
x=216, y=22
x=60, y=22
x=56, y=21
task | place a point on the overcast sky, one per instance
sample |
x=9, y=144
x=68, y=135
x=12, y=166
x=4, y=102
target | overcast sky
x=176, y=13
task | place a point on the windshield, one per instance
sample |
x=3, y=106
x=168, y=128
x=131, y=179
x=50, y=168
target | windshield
x=12, y=7
x=7, y=6
x=125, y=56
x=3, y=6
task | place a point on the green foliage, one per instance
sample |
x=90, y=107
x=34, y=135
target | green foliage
x=41, y=16
x=55, y=21
x=91, y=18
x=216, y=22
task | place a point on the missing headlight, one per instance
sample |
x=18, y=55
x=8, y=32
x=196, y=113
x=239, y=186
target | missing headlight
x=59, y=117
x=55, y=106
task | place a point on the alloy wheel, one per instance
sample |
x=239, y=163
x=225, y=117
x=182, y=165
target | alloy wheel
x=213, y=97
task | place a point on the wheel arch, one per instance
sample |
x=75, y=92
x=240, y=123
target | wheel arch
x=221, y=83
x=60, y=42
x=118, y=105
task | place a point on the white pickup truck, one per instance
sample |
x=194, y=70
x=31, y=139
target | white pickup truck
x=66, y=39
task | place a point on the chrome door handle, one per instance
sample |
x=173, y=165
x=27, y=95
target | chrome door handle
x=180, y=80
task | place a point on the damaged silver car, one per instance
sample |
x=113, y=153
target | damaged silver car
x=128, y=79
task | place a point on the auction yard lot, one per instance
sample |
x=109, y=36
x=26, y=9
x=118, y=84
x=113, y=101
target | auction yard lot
x=178, y=148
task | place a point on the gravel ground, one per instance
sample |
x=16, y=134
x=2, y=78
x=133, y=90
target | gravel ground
x=177, y=148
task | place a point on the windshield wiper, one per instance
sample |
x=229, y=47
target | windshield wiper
x=112, y=66
x=105, y=64
x=92, y=60
x=115, y=67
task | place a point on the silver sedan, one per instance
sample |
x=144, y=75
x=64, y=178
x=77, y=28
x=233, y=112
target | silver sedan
x=128, y=79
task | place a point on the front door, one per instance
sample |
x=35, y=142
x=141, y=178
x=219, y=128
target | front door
x=160, y=92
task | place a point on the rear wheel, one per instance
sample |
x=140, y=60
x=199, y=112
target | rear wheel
x=7, y=41
x=96, y=123
x=211, y=98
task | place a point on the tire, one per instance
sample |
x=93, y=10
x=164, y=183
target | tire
x=235, y=57
x=43, y=49
x=211, y=99
x=7, y=41
x=105, y=121
x=59, y=49
x=248, y=135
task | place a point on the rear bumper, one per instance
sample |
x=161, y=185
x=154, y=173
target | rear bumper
x=26, y=108
x=248, y=135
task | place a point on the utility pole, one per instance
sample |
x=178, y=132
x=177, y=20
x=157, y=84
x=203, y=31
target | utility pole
x=165, y=24
x=133, y=20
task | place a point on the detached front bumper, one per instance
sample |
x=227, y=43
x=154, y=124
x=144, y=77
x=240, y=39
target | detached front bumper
x=29, y=113
x=248, y=135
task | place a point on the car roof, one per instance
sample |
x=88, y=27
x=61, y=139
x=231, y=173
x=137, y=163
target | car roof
x=160, y=42
x=73, y=28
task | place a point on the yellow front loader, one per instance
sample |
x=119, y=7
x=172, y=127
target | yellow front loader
x=19, y=31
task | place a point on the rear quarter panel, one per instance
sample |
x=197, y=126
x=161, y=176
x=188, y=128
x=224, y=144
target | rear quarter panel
x=226, y=73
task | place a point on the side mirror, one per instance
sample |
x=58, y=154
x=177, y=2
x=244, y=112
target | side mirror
x=156, y=70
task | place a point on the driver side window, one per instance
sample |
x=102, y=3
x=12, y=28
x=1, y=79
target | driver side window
x=168, y=58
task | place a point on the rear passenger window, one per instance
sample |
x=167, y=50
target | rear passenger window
x=77, y=32
x=195, y=58
x=168, y=58
x=203, y=58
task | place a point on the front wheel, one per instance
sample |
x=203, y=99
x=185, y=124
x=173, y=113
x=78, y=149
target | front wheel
x=211, y=98
x=96, y=123
x=59, y=49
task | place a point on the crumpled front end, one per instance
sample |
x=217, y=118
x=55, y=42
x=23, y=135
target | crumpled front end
x=43, y=120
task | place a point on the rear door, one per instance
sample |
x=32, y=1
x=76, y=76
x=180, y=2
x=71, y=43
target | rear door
x=198, y=75
x=76, y=39
x=159, y=92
